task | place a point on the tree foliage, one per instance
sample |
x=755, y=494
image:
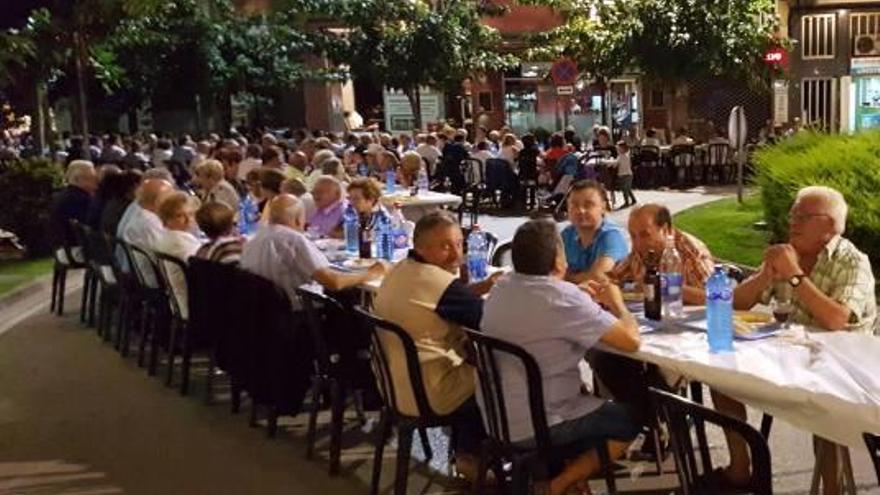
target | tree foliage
x=409, y=44
x=665, y=39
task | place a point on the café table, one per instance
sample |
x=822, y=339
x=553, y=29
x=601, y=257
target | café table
x=827, y=383
x=415, y=207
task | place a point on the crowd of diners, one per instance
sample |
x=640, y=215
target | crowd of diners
x=561, y=299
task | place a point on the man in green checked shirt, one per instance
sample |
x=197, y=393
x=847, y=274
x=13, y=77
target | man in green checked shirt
x=831, y=287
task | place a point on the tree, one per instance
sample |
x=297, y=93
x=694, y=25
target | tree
x=664, y=39
x=405, y=45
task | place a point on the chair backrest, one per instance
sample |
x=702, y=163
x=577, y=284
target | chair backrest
x=144, y=266
x=120, y=261
x=873, y=443
x=317, y=307
x=718, y=154
x=679, y=413
x=473, y=171
x=648, y=154
x=383, y=333
x=502, y=254
x=215, y=313
x=495, y=408
x=81, y=233
x=683, y=154
x=167, y=279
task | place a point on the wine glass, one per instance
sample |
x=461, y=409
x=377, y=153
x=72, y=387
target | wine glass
x=782, y=306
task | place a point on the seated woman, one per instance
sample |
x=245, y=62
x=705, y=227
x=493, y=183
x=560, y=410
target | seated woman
x=217, y=221
x=364, y=194
x=213, y=186
x=176, y=210
x=593, y=242
x=408, y=173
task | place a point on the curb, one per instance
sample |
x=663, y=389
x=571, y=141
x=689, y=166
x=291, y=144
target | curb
x=23, y=292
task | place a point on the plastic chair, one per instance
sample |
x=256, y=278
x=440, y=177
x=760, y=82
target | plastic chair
x=82, y=234
x=528, y=463
x=679, y=413
x=382, y=332
x=105, y=276
x=329, y=376
x=502, y=253
x=648, y=170
x=682, y=162
x=154, y=309
x=67, y=257
x=873, y=443
x=179, y=322
x=719, y=163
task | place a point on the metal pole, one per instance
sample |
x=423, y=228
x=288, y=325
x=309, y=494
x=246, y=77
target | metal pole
x=740, y=165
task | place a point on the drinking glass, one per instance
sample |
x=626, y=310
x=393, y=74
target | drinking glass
x=782, y=305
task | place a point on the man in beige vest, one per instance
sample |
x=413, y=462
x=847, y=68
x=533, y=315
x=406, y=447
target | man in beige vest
x=424, y=296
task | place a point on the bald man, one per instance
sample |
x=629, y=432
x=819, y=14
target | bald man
x=283, y=254
x=140, y=224
x=649, y=226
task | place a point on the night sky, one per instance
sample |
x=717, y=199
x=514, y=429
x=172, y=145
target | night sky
x=13, y=13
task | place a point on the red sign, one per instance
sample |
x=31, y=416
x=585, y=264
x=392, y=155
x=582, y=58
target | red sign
x=775, y=56
x=564, y=72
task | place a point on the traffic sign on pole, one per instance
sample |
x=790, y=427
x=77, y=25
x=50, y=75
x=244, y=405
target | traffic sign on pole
x=564, y=72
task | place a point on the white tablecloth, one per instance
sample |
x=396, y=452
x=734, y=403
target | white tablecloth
x=828, y=384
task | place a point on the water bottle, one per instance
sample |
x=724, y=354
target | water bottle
x=399, y=228
x=671, y=280
x=422, y=180
x=385, y=238
x=719, y=311
x=247, y=215
x=350, y=227
x=477, y=255
x=390, y=180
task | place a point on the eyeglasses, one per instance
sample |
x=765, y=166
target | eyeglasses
x=803, y=217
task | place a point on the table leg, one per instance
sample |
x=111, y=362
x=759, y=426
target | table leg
x=846, y=470
x=817, y=469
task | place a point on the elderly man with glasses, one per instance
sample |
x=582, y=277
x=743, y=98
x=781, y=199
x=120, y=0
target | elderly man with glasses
x=832, y=289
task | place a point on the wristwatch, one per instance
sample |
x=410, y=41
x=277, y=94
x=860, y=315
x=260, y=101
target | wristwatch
x=796, y=280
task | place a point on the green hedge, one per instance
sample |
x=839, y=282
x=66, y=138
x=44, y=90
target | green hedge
x=848, y=163
x=26, y=188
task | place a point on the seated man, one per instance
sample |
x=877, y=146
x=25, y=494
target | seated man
x=326, y=220
x=281, y=253
x=593, y=243
x=176, y=210
x=649, y=226
x=557, y=322
x=424, y=295
x=832, y=289
x=72, y=203
x=217, y=221
x=140, y=224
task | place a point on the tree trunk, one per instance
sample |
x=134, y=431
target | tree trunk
x=79, y=57
x=603, y=86
x=414, y=95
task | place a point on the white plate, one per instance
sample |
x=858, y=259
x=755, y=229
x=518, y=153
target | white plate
x=359, y=263
x=330, y=244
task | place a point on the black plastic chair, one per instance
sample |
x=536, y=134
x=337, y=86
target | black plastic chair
x=679, y=413
x=68, y=257
x=502, y=254
x=682, y=162
x=179, y=322
x=873, y=443
x=154, y=309
x=719, y=163
x=329, y=376
x=528, y=463
x=648, y=170
x=382, y=332
x=105, y=275
x=82, y=233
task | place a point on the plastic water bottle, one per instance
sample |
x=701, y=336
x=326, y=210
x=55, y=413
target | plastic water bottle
x=399, y=228
x=248, y=215
x=719, y=311
x=477, y=254
x=390, y=180
x=350, y=226
x=671, y=280
x=385, y=240
x=422, y=180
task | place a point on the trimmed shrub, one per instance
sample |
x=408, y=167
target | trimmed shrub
x=26, y=188
x=848, y=163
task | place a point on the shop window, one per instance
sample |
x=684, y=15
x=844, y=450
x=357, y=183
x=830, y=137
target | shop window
x=818, y=36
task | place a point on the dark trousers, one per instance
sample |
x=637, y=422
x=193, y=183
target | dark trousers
x=468, y=432
x=627, y=380
x=624, y=183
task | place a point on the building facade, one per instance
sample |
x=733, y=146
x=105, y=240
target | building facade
x=834, y=71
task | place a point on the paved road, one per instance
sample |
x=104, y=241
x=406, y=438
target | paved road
x=77, y=418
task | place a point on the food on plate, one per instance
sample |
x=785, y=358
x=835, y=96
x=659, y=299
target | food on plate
x=752, y=317
x=633, y=296
x=742, y=328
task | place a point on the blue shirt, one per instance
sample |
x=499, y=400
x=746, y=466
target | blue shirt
x=608, y=241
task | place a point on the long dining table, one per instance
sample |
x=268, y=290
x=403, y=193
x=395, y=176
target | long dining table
x=827, y=383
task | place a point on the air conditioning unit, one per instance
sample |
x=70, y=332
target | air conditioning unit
x=867, y=45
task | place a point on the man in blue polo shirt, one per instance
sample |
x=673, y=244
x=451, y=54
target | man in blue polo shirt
x=593, y=243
